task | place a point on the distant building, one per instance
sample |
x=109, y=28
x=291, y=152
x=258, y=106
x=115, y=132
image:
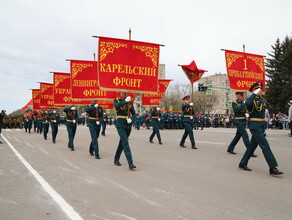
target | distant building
x=218, y=84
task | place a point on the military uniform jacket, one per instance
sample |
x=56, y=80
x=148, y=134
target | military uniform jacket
x=46, y=118
x=94, y=115
x=122, y=107
x=154, y=117
x=256, y=107
x=187, y=112
x=54, y=118
x=239, y=109
x=71, y=115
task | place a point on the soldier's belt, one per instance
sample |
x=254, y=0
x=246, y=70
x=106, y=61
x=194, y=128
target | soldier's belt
x=93, y=118
x=45, y=122
x=185, y=116
x=121, y=116
x=69, y=120
x=257, y=119
x=154, y=117
x=240, y=118
x=53, y=120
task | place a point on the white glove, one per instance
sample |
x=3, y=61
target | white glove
x=74, y=121
x=191, y=116
x=96, y=105
x=246, y=115
x=97, y=122
x=129, y=121
x=244, y=101
x=73, y=108
x=257, y=91
x=128, y=99
x=158, y=109
x=55, y=121
x=54, y=111
x=158, y=119
x=191, y=104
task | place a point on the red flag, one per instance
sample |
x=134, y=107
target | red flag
x=84, y=81
x=30, y=103
x=151, y=99
x=46, y=96
x=126, y=65
x=36, y=99
x=244, y=69
x=62, y=90
x=192, y=71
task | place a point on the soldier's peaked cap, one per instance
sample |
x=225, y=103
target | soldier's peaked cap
x=186, y=97
x=239, y=93
x=255, y=86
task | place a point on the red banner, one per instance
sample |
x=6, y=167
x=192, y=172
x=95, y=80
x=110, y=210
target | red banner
x=192, y=72
x=106, y=104
x=126, y=65
x=150, y=99
x=36, y=99
x=46, y=96
x=84, y=81
x=62, y=91
x=30, y=103
x=244, y=70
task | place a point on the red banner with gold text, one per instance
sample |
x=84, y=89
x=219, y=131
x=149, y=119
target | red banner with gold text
x=36, y=99
x=150, y=99
x=62, y=90
x=47, y=97
x=84, y=81
x=126, y=65
x=244, y=69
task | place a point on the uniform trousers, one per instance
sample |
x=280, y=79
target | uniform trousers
x=258, y=138
x=188, y=132
x=124, y=144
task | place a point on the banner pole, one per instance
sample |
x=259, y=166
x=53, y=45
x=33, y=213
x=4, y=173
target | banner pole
x=192, y=89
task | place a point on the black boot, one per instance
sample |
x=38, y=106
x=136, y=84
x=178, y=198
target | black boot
x=151, y=141
x=275, y=171
x=194, y=147
x=97, y=157
x=241, y=166
x=182, y=145
x=132, y=166
x=117, y=163
x=231, y=151
x=160, y=142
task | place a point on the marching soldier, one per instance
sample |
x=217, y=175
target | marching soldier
x=2, y=115
x=240, y=123
x=290, y=116
x=40, y=122
x=124, y=107
x=46, y=121
x=104, y=122
x=256, y=105
x=54, y=121
x=155, y=118
x=188, y=111
x=29, y=120
x=95, y=118
x=71, y=124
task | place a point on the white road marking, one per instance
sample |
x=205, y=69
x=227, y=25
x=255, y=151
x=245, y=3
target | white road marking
x=28, y=144
x=8, y=136
x=122, y=215
x=207, y=142
x=17, y=139
x=69, y=211
x=7, y=130
x=45, y=152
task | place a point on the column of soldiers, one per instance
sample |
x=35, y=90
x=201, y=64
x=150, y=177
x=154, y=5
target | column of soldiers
x=255, y=106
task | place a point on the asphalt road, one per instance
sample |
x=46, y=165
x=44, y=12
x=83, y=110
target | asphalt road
x=42, y=180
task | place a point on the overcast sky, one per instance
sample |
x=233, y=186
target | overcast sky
x=37, y=36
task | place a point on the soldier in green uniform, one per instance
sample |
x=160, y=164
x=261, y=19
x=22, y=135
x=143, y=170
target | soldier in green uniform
x=54, y=121
x=188, y=113
x=256, y=107
x=104, y=122
x=95, y=118
x=240, y=122
x=46, y=121
x=155, y=118
x=124, y=107
x=71, y=124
